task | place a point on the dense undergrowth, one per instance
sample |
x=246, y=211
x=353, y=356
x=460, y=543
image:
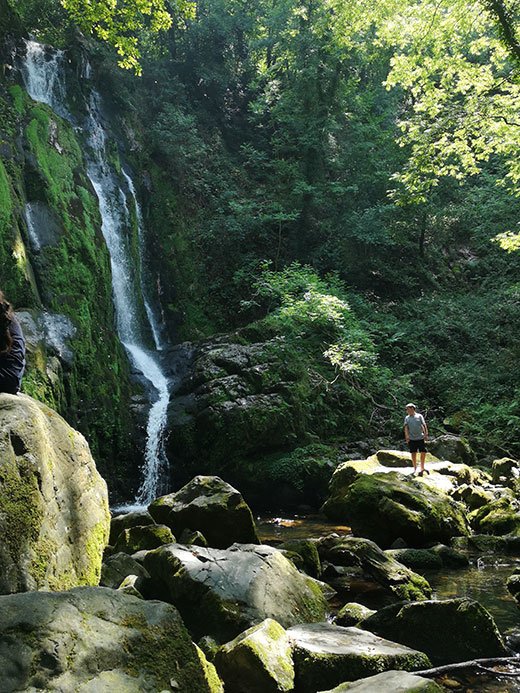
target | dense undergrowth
x=266, y=153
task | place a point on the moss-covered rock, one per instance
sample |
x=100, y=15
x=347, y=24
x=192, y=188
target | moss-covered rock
x=307, y=553
x=385, y=507
x=398, y=581
x=42, y=169
x=455, y=630
x=142, y=538
x=132, y=519
x=54, y=518
x=96, y=639
x=209, y=505
x=325, y=655
x=257, y=661
x=472, y=496
x=417, y=559
x=501, y=516
x=223, y=592
x=352, y=614
x=513, y=585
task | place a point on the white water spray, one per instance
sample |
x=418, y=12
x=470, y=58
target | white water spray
x=43, y=76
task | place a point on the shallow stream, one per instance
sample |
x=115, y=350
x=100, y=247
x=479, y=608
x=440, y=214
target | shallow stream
x=484, y=581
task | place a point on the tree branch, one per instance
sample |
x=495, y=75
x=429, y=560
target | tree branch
x=472, y=664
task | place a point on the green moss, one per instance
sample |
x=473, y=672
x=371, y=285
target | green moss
x=214, y=684
x=94, y=547
x=21, y=511
x=19, y=98
x=161, y=646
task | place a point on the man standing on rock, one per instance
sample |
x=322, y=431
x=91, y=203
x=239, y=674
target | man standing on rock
x=416, y=433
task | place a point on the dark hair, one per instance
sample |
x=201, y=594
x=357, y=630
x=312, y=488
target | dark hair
x=6, y=317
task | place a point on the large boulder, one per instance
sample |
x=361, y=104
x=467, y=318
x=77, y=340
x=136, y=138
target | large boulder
x=210, y=505
x=453, y=448
x=325, y=655
x=223, y=592
x=370, y=563
x=454, y=630
x=94, y=639
x=54, y=518
x=394, y=681
x=385, y=507
x=257, y=661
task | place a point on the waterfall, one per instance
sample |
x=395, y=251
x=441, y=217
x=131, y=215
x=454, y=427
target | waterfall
x=44, y=79
x=32, y=229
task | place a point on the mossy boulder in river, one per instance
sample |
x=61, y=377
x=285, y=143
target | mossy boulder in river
x=54, y=518
x=211, y=506
x=373, y=565
x=385, y=507
x=395, y=681
x=325, y=655
x=97, y=639
x=257, y=661
x=223, y=592
x=454, y=630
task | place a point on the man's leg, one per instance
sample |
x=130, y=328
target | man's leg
x=423, y=458
x=414, y=461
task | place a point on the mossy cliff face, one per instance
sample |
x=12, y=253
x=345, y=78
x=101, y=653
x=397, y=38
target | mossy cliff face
x=41, y=162
x=54, y=519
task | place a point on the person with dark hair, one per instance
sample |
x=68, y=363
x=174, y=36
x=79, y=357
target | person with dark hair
x=12, y=349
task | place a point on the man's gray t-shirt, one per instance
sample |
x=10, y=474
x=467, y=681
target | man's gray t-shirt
x=415, y=424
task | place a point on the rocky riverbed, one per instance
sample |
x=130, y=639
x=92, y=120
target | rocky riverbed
x=184, y=596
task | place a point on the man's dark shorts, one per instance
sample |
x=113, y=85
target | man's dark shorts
x=417, y=445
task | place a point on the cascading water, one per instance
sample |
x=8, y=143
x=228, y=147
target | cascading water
x=43, y=76
x=32, y=228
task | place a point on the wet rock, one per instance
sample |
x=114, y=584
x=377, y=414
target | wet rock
x=211, y=506
x=454, y=630
x=139, y=538
x=325, y=655
x=513, y=585
x=394, y=681
x=486, y=543
x=223, y=592
x=384, y=507
x=371, y=563
x=453, y=448
x=257, y=661
x=126, y=520
x=118, y=567
x=54, y=518
x=96, y=639
x=351, y=614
